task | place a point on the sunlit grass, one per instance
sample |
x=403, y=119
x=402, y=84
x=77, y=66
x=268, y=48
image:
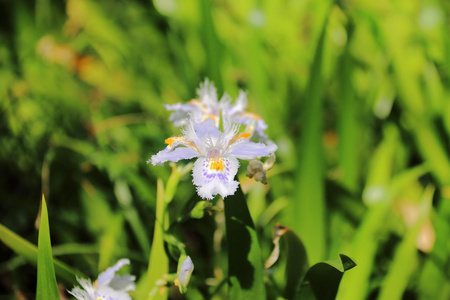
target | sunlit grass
x=356, y=96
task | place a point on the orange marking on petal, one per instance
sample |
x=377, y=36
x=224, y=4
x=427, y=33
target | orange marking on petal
x=209, y=116
x=239, y=136
x=216, y=164
x=250, y=115
x=174, y=139
x=199, y=104
x=181, y=139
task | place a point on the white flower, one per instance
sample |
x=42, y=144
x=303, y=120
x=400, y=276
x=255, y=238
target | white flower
x=217, y=154
x=209, y=107
x=108, y=285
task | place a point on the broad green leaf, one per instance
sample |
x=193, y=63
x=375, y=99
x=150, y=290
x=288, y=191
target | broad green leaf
x=245, y=268
x=295, y=263
x=322, y=280
x=47, y=288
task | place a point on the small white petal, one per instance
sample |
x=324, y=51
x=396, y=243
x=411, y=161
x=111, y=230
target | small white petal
x=214, y=176
x=105, y=277
x=207, y=93
x=224, y=102
x=206, y=127
x=249, y=150
x=79, y=294
x=87, y=285
x=172, y=155
x=181, y=112
x=123, y=283
x=239, y=105
x=107, y=293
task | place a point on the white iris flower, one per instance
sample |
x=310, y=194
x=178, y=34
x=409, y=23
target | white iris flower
x=217, y=154
x=207, y=106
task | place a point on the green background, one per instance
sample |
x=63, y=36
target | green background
x=356, y=95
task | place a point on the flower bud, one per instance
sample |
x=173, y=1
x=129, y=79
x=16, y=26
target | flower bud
x=184, y=274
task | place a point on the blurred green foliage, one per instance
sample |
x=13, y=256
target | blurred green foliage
x=356, y=95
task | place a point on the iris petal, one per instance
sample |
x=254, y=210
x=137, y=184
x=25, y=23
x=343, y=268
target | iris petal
x=246, y=149
x=214, y=176
x=171, y=154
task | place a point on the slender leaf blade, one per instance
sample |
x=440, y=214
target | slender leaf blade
x=307, y=210
x=47, y=288
x=159, y=262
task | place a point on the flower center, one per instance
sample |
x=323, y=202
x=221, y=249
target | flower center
x=216, y=164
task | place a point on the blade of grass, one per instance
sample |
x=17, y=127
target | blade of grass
x=158, y=265
x=212, y=45
x=307, y=209
x=381, y=188
x=412, y=99
x=348, y=126
x=406, y=258
x=364, y=246
x=436, y=265
x=123, y=194
x=110, y=239
x=47, y=288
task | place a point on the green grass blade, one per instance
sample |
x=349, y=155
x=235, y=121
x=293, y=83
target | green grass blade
x=307, y=209
x=47, y=288
x=349, y=125
x=123, y=194
x=109, y=241
x=406, y=258
x=159, y=262
x=364, y=245
x=414, y=103
x=212, y=45
x=245, y=268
